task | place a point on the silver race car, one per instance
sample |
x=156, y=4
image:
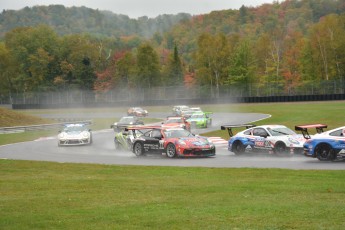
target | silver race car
x=75, y=134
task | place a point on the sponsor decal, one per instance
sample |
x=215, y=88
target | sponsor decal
x=151, y=146
x=342, y=151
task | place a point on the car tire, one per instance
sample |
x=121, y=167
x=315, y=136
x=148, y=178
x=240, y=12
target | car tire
x=238, y=148
x=280, y=148
x=171, y=150
x=324, y=152
x=138, y=149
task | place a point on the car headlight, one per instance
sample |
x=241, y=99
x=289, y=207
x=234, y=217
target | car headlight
x=131, y=123
x=85, y=134
x=61, y=135
x=293, y=141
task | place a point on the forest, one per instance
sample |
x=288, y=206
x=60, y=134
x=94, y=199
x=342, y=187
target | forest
x=289, y=45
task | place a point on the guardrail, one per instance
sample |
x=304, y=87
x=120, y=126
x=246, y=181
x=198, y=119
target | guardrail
x=21, y=129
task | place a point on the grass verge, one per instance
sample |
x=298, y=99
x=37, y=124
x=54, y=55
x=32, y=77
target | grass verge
x=37, y=195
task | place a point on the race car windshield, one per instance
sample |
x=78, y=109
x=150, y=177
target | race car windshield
x=126, y=120
x=177, y=133
x=281, y=131
x=169, y=121
x=74, y=129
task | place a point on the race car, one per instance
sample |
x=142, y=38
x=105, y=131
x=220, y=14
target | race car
x=200, y=120
x=196, y=109
x=176, y=122
x=176, y=110
x=325, y=146
x=124, y=139
x=174, y=142
x=137, y=111
x=272, y=138
x=126, y=121
x=75, y=134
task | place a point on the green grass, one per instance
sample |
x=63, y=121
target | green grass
x=37, y=195
x=43, y=195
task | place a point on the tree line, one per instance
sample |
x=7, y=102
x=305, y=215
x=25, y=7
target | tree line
x=291, y=44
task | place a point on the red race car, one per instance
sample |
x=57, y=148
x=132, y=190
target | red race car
x=175, y=142
x=176, y=122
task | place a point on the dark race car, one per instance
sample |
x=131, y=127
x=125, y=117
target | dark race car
x=124, y=139
x=126, y=121
x=175, y=142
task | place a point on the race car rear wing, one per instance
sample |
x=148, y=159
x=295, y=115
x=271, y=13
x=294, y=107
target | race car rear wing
x=138, y=127
x=230, y=127
x=141, y=129
x=304, y=129
x=123, y=127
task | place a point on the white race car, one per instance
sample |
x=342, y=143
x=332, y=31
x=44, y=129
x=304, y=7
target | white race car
x=272, y=138
x=75, y=134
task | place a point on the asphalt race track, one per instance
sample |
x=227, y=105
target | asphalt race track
x=102, y=151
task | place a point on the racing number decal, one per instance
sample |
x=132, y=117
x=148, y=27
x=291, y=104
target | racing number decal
x=268, y=144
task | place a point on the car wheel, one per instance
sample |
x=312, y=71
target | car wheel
x=280, y=148
x=171, y=150
x=238, y=147
x=324, y=152
x=138, y=149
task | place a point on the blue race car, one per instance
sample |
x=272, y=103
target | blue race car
x=325, y=146
x=271, y=138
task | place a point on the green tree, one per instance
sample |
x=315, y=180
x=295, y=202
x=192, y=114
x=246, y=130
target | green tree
x=82, y=55
x=148, y=72
x=126, y=69
x=327, y=41
x=242, y=67
x=212, y=59
x=8, y=80
x=174, y=72
x=36, y=49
